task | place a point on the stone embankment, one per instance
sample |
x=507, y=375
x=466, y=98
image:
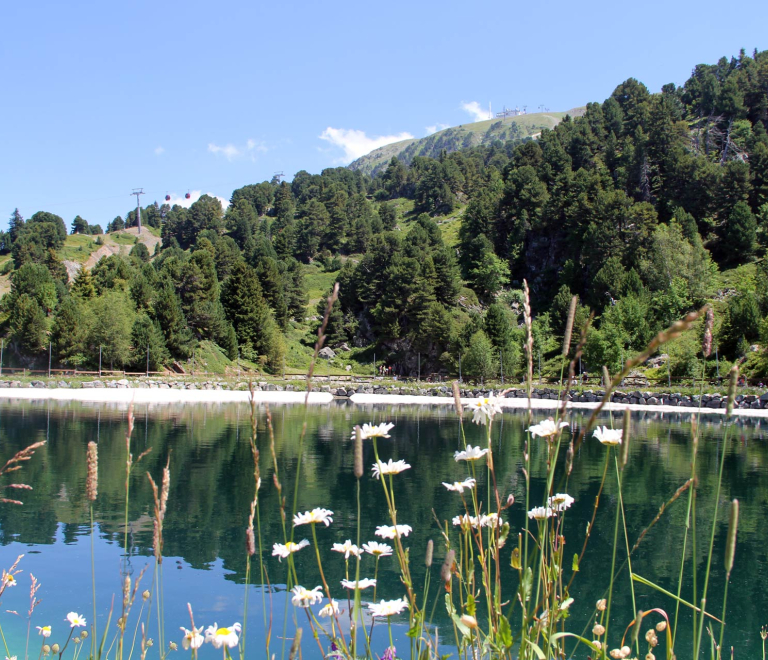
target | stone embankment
x=125, y=383
x=712, y=401
x=743, y=401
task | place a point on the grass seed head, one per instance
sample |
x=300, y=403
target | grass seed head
x=733, y=525
x=430, y=550
x=733, y=381
x=706, y=344
x=569, y=325
x=359, y=470
x=92, y=480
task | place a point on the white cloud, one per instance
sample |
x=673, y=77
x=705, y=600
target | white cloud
x=194, y=195
x=252, y=145
x=436, y=128
x=474, y=109
x=231, y=151
x=356, y=143
x=159, y=151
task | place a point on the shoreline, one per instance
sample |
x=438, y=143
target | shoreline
x=142, y=395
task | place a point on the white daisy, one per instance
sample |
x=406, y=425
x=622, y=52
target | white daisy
x=490, y=520
x=377, y=549
x=391, y=467
x=466, y=521
x=361, y=584
x=303, y=597
x=484, y=410
x=459, y=486
x=391, y=531
x=45, y=631
x=470, y=454
x=547, y=428
x=347, y=548
x=282, y=551
x=75, y=619
x=374, y=430
x=608, y=436
x=560, y=502
x=330, y=609
x=540, y=513
x=388, y=607
x=193, y=639
x=314, y=516
x=222, y=636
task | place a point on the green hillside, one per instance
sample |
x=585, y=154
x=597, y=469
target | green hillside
x=462, y=137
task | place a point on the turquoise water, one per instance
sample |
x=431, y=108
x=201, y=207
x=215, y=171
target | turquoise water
x=212, y=486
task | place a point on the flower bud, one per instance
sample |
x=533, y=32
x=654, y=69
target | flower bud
x=601, y=605
x=510, y=499
x=76, y=640
x=625, y=651
x=150, y=642
x=596, y=643
x=84, y=634
x=598, y=630
x=46, y=649
x=173, y=646
x=55, y=649
x=445, y=570
x=469, y=621
x=145, y=594
x=661, y=626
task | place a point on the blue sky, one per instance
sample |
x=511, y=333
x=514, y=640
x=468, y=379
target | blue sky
x=103, y=97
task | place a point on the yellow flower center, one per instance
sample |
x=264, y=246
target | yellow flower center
x=222, y=631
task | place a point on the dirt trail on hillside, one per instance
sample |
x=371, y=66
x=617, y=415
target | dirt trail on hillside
x=111, y=247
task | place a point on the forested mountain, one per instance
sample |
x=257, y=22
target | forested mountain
x=461, y=137
x=647, y=206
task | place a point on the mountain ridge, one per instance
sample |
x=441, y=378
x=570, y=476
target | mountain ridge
x=463, y=136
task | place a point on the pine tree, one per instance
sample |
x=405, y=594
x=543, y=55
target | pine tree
x=245, y=308
x=28, y=326
x=15, y=225
x=273, y=289
x=69, y=332
x=83, y=286
x=148, y=344
x=169, y=314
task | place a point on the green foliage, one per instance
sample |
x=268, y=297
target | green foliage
x=113, y=318
x=28, y=325
x=478, y=360
x=140, y=252
x=34, y=281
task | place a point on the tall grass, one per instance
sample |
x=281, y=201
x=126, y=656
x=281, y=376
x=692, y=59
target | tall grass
x=493, y=612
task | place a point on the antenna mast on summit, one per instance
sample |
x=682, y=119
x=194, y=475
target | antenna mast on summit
x=138, y=192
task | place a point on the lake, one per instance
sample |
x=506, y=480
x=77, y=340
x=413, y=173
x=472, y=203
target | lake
x=212, y=486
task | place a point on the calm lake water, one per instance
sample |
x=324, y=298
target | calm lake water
x=212, y=486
